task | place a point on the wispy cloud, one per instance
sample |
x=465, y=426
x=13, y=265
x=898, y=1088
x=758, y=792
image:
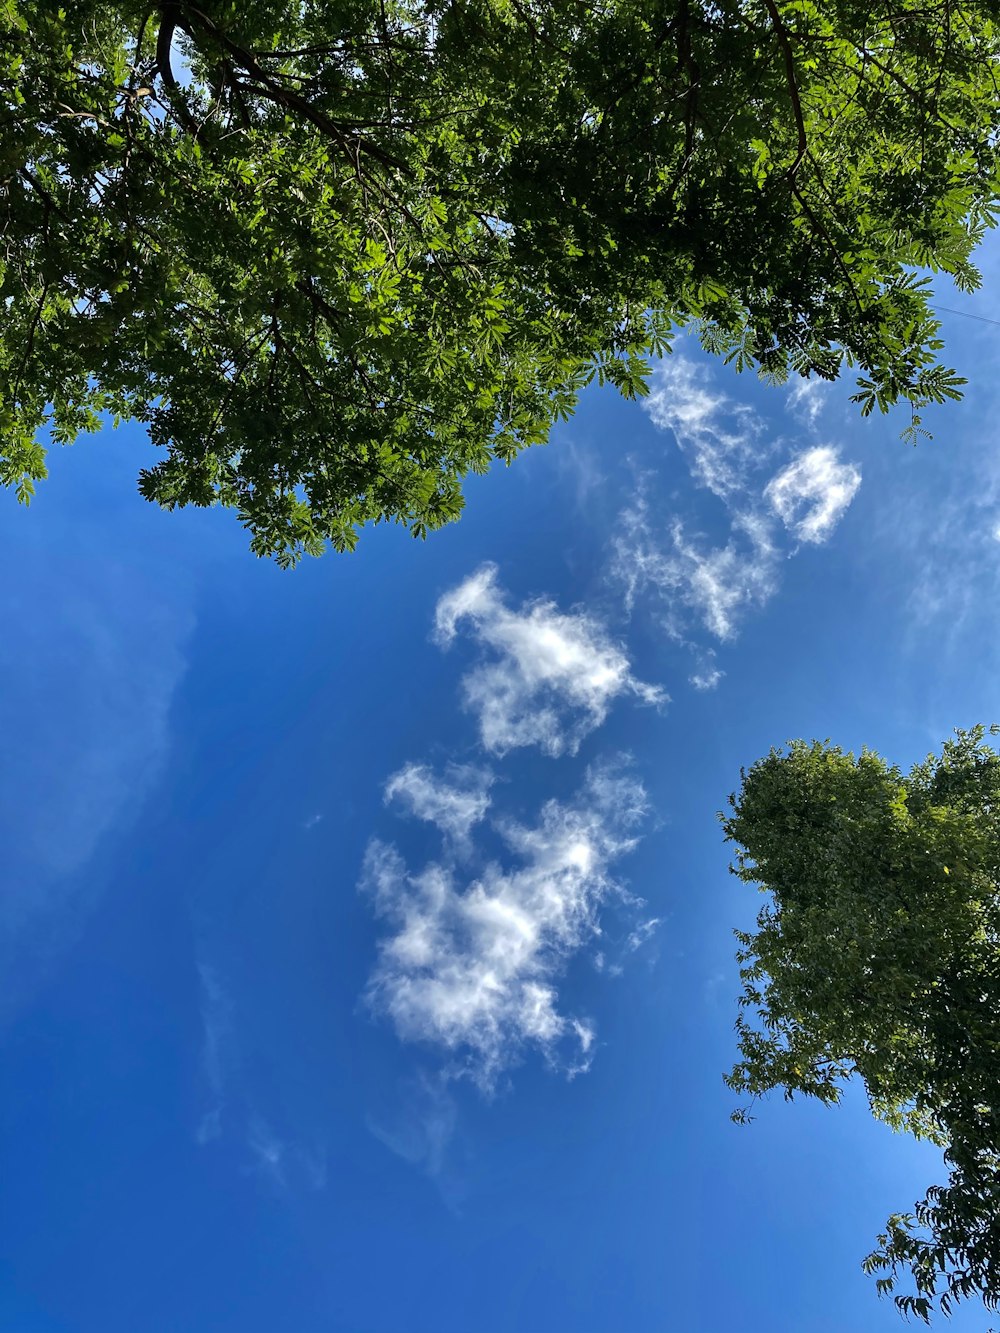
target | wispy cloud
x=692, y=581
x=554, y=677
x=642, y=933
x=284, y=1164
x=807, y=398
x=82, y=744
x=216, y=1051
x=286, y=1160
x=92, y=652
x=940, y=537
x=691, y=578
x=615, y=956
x=267, y=1151
x=722, y=440
x=812, y=493
x=420, y=1121
x=707, y=674
x=421, y=1128
x=719, y=583
x=472, y=967
x=454, y=803
x=713, y=585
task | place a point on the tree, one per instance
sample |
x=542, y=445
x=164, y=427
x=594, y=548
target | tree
x=336, y=254
x=878, y=955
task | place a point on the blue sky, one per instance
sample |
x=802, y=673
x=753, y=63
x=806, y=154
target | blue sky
x=366, y=940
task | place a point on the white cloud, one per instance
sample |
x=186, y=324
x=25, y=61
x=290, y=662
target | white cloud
x=706, y=679
x=454, y=803
x=719, y=583
x=706, y=675
x=638, y=562
x=720, y=438
x=612, y=960
x=812, y=493
x=643, y=932
x=710, y=584
x=807, y=398
x=473, y=967
x=556, y=674
x=714, y=584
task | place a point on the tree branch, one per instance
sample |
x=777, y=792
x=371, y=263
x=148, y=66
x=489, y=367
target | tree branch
x=164, y=38
x=781, y=32
x=170, y=20
x=266, y=86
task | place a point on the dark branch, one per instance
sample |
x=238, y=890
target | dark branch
x=164, y=39
x=781, y=32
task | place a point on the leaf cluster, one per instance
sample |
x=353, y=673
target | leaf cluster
x=337, y=254
x=877, y=955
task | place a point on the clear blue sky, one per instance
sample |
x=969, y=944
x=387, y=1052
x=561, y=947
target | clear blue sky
x=366, y=935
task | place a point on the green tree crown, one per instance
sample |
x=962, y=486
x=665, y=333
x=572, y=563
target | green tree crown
x=337, y=255
x=878, y=956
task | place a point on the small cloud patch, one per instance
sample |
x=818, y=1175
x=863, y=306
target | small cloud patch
x=720, y=439
x=553, y=677
x=454, y=803
x=813, y=492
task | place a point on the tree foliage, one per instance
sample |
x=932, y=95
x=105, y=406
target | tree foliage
x=336, y=254
x=878, y=955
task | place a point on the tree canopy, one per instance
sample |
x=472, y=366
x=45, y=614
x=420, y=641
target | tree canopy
x=878, y=955
x=336, y=254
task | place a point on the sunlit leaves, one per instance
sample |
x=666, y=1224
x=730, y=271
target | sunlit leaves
x=878, y=956
x=335, y=256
